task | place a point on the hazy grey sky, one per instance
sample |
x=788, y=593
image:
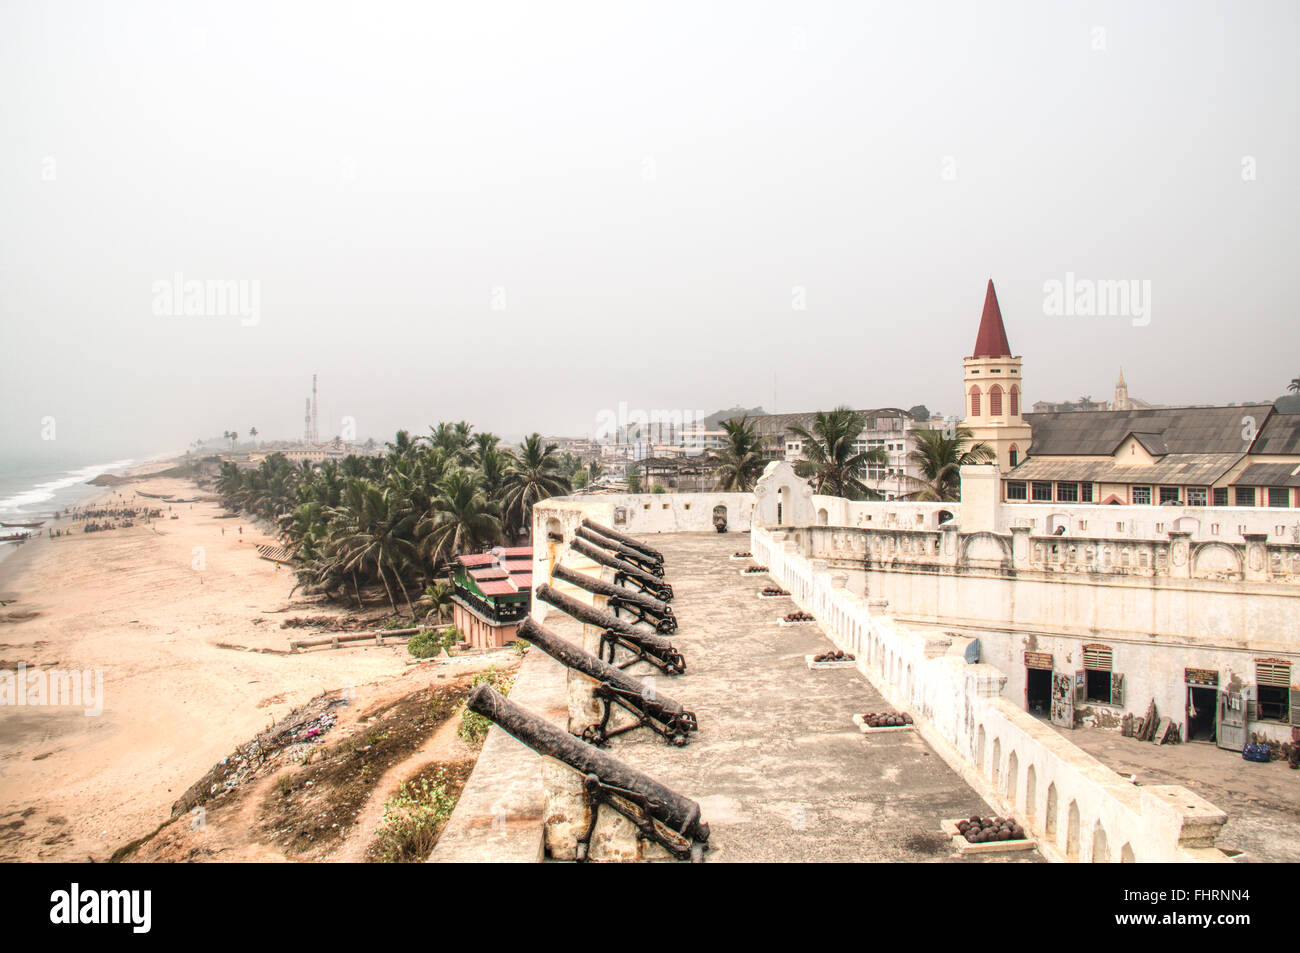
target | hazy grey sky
x=642, y=186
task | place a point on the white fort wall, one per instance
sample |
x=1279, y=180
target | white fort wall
x=1077, y=807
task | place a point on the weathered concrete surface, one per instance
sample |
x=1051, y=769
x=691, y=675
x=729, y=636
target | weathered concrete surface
x=1262, y=801
x=781, y=771
x=499, y=816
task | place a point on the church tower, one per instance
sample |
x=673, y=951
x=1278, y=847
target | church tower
x=1121, y=394
x=995, y=396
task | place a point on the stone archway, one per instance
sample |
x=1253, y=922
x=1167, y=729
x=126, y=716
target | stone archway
x=1100, y=847
x=1072, y=832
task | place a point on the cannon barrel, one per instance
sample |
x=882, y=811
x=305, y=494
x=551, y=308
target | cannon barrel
x=645, y=646
x=600, y=587
x=624, y=539
x=634, y=556
x=597, y=617
x=655, y=704
x=643, y=578
x=679, y=814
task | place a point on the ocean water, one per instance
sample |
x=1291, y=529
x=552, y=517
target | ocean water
x=35, y=489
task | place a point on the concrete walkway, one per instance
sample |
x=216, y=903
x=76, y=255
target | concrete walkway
x=1262, y=800
x=779, y=768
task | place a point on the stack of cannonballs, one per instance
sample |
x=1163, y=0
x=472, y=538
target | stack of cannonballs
x=836, y=656
x=983, y=830
x=800, y=617
x=750, y=570
x=888, y=719
x=741, y=555
x=774, y=591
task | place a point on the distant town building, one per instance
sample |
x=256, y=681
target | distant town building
x=1121, y=401
x=890, y=429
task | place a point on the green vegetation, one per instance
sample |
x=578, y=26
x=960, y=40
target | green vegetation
x=941, y=458
x=830, y=460
x=740, y=463
x=424, y=644
x=473, y=726
x=412, y=820
x=429, y=643
x=398, y=521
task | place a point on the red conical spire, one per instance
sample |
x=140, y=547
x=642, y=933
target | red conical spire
x=992, y=339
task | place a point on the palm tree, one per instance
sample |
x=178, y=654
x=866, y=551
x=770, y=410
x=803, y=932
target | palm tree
x=1294, y=386
x=830, y=460
x=534, y=475
x=438, y=598
x=594, y=471
x=633, y=479
x=462, y=519
x=941, y=459
x=370, y=534
x=484, y=443
x=252, y=433
x=741, y=460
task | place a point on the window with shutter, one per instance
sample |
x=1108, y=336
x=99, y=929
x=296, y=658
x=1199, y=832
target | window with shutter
x=1275, y=672
x=1097, y=657
x=1273, y=690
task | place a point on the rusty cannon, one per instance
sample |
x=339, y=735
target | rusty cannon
x=660, y=814
x=627, y=553
x=644, y=646
x=644, y=607
x=624, y=570
x=652, y=709
x=626, y=540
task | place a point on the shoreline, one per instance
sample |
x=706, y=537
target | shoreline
x=95, y=493
x=161, y=610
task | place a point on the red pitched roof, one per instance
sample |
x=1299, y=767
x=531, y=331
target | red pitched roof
x=497, y=588
x=519, y=552
x=478, y=575
x=992, y=339
x=479, y=559
x=513, y=566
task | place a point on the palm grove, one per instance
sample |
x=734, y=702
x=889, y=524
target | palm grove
x=397, y=521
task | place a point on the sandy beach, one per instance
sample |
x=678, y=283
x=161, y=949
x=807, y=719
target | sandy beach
x=156, y=608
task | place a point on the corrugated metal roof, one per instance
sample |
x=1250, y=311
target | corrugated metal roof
x=1180, y=469
x=497, y=588
x=778, y=424
x=1279, y=434
x=1269, y=474
x=1183, y=430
